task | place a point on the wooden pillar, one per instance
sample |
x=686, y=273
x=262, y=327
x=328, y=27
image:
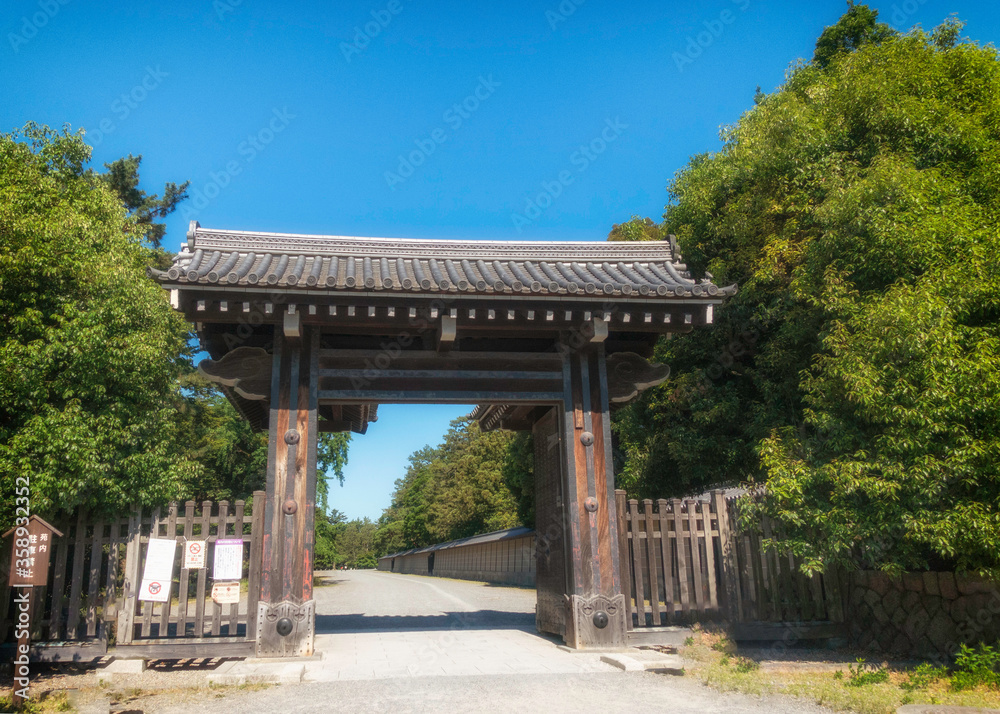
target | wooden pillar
x=595, y=615
x=286, y=612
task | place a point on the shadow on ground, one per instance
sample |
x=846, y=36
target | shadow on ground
x=479, y=620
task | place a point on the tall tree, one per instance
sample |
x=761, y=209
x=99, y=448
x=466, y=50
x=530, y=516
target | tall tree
x=857, y=372
x=122, y=177
x=90, y=348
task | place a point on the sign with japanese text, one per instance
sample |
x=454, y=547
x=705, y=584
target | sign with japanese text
x=31, y=548
x=226, y=593
x=228, y=563
x=158, y=570
x=194, y=554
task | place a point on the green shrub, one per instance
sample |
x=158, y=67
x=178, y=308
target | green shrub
x=866, y=674
x=974, y=667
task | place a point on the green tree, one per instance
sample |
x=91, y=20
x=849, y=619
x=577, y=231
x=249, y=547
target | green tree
x=90, y=349
x=457, y=489
x=122, y=177
x=856, y=372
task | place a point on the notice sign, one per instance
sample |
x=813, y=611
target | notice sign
x=228, y=559
x=226, y=593
x=194, y=554
x=159, y=570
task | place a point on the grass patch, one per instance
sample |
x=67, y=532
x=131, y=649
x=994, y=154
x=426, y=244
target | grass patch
x=867, y=688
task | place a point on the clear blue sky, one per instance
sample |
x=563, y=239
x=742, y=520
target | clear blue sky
x=293, y=117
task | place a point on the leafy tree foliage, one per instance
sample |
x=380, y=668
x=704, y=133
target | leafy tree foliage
x=455, y=490
x=90, y=349
x=857, y=372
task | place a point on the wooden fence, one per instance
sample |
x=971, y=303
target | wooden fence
x=689, y=560
x=769, y=586
x=94, y=577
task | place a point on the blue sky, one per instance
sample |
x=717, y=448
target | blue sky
x=539, y=120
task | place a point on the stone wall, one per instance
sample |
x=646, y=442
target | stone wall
x=506, y=557
x=921, y=614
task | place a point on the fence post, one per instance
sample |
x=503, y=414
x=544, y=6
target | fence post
x=256, y=551
x=730, y=590
x=130, y=587
x=624, y=563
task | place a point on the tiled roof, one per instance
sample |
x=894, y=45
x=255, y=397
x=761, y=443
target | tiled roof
x=338, y=263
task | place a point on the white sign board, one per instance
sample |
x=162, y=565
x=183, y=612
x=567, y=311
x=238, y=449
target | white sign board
x=228, y=559
x=158, y=570
x=226, y=593
x=194, y=554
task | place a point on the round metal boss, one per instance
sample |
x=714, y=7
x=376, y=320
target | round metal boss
x=291, y=436
x=284, y=626
x=586, y=438
x=600, y=620
x=590, y=504
x=289, y=506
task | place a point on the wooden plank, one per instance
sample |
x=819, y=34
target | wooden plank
x=58, y=589
x=652, y=556
x=696, y=562
x=130, y=585
x=184, y=580
x=667, y=554
x=758, y=564
x=171, y=534
x=784, y=631
x=771, y=575
x=199, y=603
x=147, y=606
x=706, y=519
x=76, y=579
x=640, y=596
x=621, y=509
x=682, y=555
x=94, y=577
x=220, y=532
x=730, y=572
x=256, y=545
x=833, y=594
x=234, y=609
x=173, y=648
x=110, y=611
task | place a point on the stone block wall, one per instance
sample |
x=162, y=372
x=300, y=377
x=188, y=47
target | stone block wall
x=921, y=614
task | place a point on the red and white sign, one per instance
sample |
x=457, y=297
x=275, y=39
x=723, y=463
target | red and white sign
x=158, y=570
x=194, y=554
x=155, y=590
x=226, y=593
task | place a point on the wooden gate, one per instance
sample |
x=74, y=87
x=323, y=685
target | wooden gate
x=689, y=560
x=91, y=600
x=192, y=624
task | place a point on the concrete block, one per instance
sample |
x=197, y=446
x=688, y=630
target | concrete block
x=126, y=666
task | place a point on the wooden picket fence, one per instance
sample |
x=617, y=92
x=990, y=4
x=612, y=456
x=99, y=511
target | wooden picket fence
x=94, y=578
x=687, y=560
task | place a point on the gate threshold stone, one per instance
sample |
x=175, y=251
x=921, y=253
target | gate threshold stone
x=645, y=661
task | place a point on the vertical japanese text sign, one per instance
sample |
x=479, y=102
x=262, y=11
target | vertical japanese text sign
x=29, y=563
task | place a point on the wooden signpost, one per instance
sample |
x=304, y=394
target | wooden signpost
x=31, y=546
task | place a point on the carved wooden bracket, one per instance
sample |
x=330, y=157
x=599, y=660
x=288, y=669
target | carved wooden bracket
x=246, y=369
x=629, y=374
